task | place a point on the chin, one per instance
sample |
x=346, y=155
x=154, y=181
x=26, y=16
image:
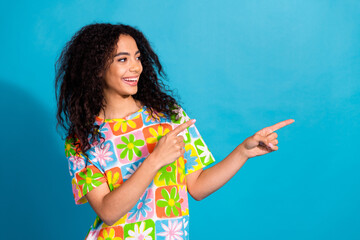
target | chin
x=131, y=92
x=135, y=91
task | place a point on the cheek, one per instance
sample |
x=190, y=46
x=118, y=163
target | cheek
x=117, y=72
x=112, y=76
x=141, y=68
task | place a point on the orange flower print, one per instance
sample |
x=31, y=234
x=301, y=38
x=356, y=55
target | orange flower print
x=154, y=133
x=89, y=178
x=121, y=126
x=157, y=134
x=114, y=233
x=114, y=178
x=168, y=202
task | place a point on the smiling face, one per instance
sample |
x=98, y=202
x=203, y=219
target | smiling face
x=122, y=77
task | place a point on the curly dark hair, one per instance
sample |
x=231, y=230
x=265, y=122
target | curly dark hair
x=79, y=83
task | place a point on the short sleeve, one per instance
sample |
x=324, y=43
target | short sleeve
x=197, y=155
x=85, y=175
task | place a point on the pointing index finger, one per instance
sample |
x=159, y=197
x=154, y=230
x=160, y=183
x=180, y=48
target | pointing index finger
x=282, y=124
x=182, y=127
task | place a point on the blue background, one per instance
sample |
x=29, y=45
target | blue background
x=238, y=66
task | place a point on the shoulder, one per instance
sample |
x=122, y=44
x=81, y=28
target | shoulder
x=178, y=116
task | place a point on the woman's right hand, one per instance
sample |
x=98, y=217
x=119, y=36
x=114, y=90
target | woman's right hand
x=170, y=147
x=111, y=206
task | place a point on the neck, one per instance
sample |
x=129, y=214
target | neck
x=120, y=107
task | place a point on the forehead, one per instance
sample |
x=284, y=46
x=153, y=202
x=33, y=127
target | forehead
x=126, y=43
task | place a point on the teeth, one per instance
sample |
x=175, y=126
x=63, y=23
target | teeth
x=130, y=79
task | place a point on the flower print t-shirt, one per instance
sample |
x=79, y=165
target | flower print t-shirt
x=162, y=211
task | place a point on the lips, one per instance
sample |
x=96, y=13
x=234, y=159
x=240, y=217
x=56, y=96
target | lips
x=131, y=80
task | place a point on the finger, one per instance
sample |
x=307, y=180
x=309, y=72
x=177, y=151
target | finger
x=182, y=151
x=180, y=139
x=274, y=142
x=272, y=136
x=274, y=148
x=279, y=125
x=265, y=142
x=182, y=127
x=260, y=140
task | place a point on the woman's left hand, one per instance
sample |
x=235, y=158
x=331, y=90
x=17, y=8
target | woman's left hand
x=264, y=141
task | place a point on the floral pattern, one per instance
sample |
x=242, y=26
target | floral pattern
x=157, y=134
x=192, y=159
x=181, y=171
x=184, y=200
x=70, y=148
x=143, y=208
x=170, y=202
x=154, y=133
x=151, y=118
x=114, y=179
x=77, y=161
x=143, y=230
x=130, y=147
x=123, y=124
x=186, y=227
x=109, y=234
x=89, y=180
x=202, y=151
x=129, y=169
x=166, y=175
x=162, y=212
x=172, y=230
x=102, y=154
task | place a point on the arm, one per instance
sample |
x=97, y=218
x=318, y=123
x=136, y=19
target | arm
x=111, y=206
x=202, y=183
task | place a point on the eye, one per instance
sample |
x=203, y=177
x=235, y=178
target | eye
x=138, y=58
x=121, y=59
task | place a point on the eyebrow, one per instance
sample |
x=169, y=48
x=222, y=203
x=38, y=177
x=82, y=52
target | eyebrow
x=125, y=53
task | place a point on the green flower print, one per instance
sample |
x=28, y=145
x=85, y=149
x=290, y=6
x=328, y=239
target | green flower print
x=203, y=152
x=69, y=147
x=182, y=117
x=175, y=116
x=168, y=173
x=130, y=147
x=170, y=201
x=89, y=180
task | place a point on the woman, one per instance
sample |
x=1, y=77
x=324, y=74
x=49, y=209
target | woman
x=125, y=130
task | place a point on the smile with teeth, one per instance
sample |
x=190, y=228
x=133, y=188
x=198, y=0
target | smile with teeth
x=130, y=79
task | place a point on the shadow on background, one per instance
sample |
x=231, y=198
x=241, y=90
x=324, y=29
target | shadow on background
x=36, y=196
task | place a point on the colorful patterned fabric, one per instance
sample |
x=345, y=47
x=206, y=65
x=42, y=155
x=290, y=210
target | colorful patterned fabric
x=162, y=211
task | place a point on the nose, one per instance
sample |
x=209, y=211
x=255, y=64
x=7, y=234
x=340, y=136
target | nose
x=136, y=66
